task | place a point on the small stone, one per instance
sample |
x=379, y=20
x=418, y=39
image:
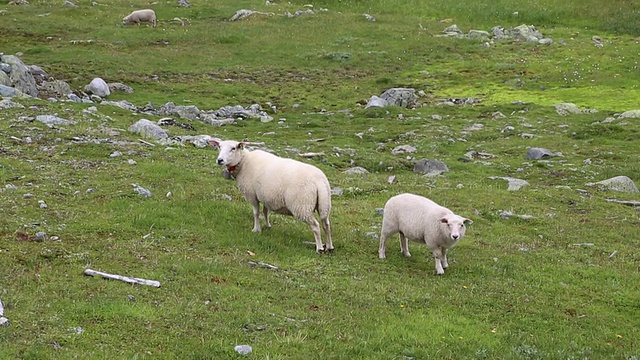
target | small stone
x=243, y=349
x=40, y=236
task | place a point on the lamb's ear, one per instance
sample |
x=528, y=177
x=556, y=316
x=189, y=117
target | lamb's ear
x=214, y=143
x=242, y=144
x=443, y=220
x=468, y=222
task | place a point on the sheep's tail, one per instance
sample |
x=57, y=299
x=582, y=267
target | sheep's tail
x=323, y=203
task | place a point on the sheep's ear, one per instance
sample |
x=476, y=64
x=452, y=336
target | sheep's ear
x=242, y=144
x=443, y=220
x=214, y=143
x=468, y=222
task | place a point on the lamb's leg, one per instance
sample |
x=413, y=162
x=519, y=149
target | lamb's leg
x=445, y=264
x=326, y=227
x=437, y=255
x=265, y=211
x=404, y=245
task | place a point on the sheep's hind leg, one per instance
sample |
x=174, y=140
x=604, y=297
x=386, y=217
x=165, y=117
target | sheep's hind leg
x=265, y=212
x=326, y=227
x=315, y=228
x=404, y=245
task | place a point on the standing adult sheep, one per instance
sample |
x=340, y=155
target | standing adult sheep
x=420, y=219
x=138, y=16
x=284, y=186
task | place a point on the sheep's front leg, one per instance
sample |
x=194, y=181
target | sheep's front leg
x=445, y=263
x=256, y=217
x=437, y=255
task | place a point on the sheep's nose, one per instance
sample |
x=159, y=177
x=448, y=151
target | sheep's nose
x=220, y=161
x=455, y=237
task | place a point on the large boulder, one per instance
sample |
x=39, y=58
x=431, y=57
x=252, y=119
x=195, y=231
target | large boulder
x=618, y=183
x=8, y=91
x=20, y=76
x=98, y=87
x=148, y=129
x=403, y=97
x=57, y=87
x=4, y=79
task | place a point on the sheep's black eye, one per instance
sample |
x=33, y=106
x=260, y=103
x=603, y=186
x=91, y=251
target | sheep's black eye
x=233, y=149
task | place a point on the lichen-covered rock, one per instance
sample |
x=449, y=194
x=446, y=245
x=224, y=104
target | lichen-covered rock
x=631, y=114
x=20, y=75
x=57, y=87
x=618, y=183
x=403, y=97
x=539, y=153
x=429, y=167
x=148, y=129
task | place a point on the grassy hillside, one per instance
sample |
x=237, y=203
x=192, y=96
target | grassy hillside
x=558, y=282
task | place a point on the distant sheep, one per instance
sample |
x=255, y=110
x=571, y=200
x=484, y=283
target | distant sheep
x=420, y=219
x=284, y=186
x=138, y=16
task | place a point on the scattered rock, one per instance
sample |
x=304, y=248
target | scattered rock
x=403, y=97
x=618, y=183
x=403, y=149
x=539, y=153
x=430, y=167
x=99, y=87
x=514, y=184
x=52, y=120
x=20, y=76
x=148, y=129
x=631, y=114
x=356, y=170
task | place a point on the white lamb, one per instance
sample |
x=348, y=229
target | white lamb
x=420, y=219
x=138, y=16
x=284, y=186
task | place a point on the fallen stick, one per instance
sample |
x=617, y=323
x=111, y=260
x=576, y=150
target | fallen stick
x=3, y=320
x=130, y=280
x=312, y=154
x=262, y=264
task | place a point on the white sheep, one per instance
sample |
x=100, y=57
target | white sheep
x=138, y=16
x=284, y=186
x=420, y=219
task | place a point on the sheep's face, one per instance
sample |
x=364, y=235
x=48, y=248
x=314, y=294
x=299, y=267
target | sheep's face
x=125, y=20
x=230, y=152
x=455, y=225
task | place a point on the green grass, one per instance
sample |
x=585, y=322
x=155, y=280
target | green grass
x=516, y=289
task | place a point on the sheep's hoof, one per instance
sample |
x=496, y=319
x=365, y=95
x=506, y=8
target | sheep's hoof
x=407, y=254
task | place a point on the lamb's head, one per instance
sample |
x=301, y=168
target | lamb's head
x=455, y=226
x=230, y=154
x=125, y=20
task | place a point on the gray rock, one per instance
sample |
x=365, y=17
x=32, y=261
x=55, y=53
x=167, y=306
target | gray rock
x=52, y=120
x=99, y=87
x=73, y=97
x=123, y=104
x=40, y=236
x=538, y=153
x=70, y=4
x=57, y=87
x=142, y=191
x=429, y=167
x=498, y=33
x=148, y=129
x=36, y=70
x=631, y=114
x=376, y=101
x=337, y=191
x=403, y=149
x=243, y=349
x=525, y=32
x=20, y=75
x=475, y=34
x=545, y=41
x=403, y=97
x=356, y=170
x=5, y=68
x=119, y=87
x=4, y=79
x=514, y=184
x=8, y=91
x=190, y=112
x=567, y=108
x=7, y=104
x=453, y=31
x=618, y=183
